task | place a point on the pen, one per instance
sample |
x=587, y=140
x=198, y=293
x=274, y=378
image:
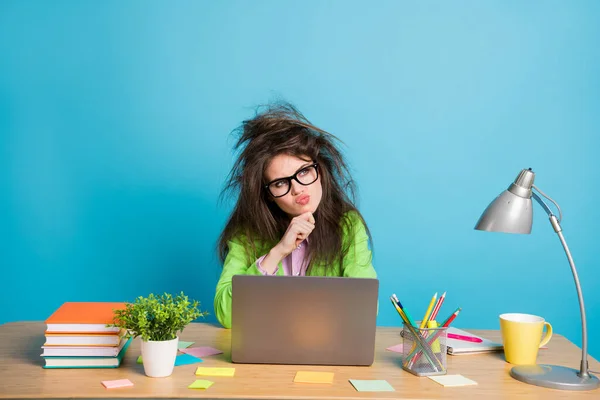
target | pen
x=465, y=338
x=428, y=312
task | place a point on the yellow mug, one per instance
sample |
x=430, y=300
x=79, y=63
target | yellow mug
x=521, y=335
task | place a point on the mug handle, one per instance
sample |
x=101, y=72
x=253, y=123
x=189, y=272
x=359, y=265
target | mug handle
x=548, y=336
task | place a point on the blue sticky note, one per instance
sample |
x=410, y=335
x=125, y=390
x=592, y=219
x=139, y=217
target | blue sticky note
x=185, y=359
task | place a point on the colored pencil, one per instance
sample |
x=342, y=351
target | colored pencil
x=428, y=312
x=433, y=360
x=451, y=318
x=402, y=315
x=410, y=320
x=413, y=357
x=437, y=307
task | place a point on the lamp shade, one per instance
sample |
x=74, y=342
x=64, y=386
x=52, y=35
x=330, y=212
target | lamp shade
x=511, y=211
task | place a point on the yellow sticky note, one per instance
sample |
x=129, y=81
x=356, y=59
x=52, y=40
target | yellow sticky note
x=452, y=380
x=313, y=377
x=200, y=384
x=215, y=371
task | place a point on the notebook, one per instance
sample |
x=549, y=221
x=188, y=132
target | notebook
x=303, y=320
x=458, y=347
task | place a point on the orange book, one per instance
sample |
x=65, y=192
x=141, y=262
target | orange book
x=89, y=317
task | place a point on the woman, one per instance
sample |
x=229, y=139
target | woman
x=295, y=212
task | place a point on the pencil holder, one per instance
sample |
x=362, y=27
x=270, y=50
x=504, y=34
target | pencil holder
x=424, y=350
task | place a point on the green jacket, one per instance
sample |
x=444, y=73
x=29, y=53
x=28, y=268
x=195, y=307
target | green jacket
x=356, y=264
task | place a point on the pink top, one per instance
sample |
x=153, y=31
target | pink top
x=293, y=264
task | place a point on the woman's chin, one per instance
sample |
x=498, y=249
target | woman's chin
x=301, y=209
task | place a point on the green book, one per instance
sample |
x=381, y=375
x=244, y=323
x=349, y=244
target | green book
x=87, y=362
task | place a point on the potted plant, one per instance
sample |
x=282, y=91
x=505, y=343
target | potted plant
x=157, y=320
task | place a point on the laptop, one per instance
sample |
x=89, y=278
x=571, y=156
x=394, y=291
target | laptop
x=303, y=320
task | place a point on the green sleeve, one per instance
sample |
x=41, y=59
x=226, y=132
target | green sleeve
x=236, y=263
x=358, y=261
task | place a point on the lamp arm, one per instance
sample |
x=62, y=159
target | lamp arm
x=584, y=368
x=545, y=205
x=541, y=203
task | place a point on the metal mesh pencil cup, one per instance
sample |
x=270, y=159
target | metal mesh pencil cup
x=424, y=350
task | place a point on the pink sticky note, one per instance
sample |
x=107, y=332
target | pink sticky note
x=397, y=348
x=201, y=351
x=117, y=384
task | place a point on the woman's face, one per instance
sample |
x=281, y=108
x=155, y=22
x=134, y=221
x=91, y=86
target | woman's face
x=300, y=198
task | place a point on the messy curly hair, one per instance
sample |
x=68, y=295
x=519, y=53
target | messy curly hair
x=281, y=129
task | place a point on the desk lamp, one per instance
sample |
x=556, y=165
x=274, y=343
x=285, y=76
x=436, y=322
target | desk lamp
x=511, y=212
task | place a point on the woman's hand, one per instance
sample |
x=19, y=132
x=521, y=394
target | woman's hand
x=300, y=228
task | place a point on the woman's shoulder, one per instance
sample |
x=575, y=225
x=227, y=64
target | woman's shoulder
x=247, y=243
x=353, y=224
x=352, y=218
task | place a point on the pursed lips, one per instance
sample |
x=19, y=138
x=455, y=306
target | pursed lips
x=303, y=200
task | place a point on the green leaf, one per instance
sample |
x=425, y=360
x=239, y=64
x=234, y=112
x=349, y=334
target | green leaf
x=157, y=318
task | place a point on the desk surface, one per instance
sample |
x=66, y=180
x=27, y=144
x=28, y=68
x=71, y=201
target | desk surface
x=21, y=374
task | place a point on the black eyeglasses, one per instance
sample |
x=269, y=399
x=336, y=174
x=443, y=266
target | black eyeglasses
x=305, y=176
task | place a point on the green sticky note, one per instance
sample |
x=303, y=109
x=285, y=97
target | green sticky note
x=371, y=385
x=184, y=345
x=200, y=384
x=139, y=360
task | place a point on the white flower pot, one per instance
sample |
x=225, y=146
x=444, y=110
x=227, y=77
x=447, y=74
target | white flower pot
x=158, y=358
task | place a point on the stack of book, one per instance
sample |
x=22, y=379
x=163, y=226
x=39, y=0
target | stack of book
x=77, y=336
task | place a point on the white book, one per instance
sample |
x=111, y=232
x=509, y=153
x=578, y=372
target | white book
x=87, y=362
x=83, y=351
x=84, y=328
x=82, y=340
x=458, y=347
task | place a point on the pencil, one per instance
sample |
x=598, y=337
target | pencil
x=408, y=317
x=437, y=307
x=451, y=318
x=428, y=312
x=402, y=315
x=414, y=356
x=433, y=360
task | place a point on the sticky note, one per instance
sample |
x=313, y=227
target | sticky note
x=183, y=345
x=185, y=359
x=313, y=377
x=375, y=385
x=452, y=380
x=215, y=371
x=399, y=348
x=201, y=351
x=139, y=360
x=200, y=384
x=117, y=384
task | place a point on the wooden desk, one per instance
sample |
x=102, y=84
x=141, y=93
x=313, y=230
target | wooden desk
x=21, y=374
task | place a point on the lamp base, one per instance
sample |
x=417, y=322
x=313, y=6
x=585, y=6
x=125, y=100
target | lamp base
x=554, y=377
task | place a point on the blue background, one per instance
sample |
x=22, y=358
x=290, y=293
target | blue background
x=115, y=121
